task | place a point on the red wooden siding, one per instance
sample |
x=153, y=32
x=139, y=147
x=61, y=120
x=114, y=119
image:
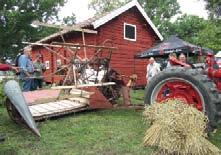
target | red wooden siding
x=122, y=59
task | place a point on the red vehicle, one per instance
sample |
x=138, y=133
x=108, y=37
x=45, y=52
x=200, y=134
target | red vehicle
x=197, y=87
x=218, y=58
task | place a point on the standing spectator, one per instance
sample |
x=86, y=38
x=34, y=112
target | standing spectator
x=26, y=70
x=39, y=68
x=152, y=69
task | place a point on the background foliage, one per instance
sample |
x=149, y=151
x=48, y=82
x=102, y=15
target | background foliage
x=214, y=8
x=16, y=17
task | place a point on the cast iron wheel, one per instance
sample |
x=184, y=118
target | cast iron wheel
x=188, y=85
x=112, y=92
x=13, y=112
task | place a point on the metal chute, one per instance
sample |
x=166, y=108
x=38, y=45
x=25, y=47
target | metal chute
x=14, y=94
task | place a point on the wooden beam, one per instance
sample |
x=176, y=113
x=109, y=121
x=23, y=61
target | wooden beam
x=65, y=27
x=70, y=45
x=41, y=44
x=85, y=51
x=80, y=45
x=85, y=85
x=61, y=56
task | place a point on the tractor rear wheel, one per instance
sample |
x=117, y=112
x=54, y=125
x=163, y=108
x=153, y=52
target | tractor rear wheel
x=188, y=85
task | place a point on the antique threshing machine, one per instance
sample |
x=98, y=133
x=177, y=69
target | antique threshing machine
x=81, y=86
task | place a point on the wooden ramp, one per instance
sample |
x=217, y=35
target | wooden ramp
x=51, y=109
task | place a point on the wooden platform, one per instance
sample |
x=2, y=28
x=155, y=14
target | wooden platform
x=44, y=104
x=51, y=109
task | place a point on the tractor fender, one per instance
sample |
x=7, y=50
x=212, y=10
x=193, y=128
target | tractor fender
x=16, y=98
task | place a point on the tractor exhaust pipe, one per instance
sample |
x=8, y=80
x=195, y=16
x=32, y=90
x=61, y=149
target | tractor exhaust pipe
x=14, y=94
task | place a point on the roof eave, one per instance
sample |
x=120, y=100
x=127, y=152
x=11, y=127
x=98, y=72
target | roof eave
x=117, y=12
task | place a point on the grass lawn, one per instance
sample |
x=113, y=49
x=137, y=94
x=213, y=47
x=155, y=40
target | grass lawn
x=106, y=132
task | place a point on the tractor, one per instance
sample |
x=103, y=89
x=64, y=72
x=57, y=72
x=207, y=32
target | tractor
x=198, y=87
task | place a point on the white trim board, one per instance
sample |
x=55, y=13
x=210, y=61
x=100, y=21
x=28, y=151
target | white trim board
x=121, y=10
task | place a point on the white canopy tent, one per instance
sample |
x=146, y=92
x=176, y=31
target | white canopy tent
x=218, y=54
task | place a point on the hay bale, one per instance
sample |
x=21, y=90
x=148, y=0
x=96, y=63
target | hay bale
x=177, y=128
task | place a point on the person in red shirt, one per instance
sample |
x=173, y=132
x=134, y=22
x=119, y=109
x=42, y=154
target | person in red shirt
x=5, y=67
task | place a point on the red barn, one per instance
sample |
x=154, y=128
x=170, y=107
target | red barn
x=130, y=30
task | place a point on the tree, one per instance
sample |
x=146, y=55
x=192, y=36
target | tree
x=160, y=11
x=16, y=17
x=69, y=20
x=214, y=8
x=205, y=33
x=210, y=36
x=187, y=27
x=103, y=6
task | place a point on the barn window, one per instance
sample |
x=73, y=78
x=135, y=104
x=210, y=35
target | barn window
x=130, y=32
x=47, y=64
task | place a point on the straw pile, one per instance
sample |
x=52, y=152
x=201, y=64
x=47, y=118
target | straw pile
x=177, y=129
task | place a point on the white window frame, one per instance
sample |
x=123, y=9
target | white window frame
x=135, y=39
x=47, y=64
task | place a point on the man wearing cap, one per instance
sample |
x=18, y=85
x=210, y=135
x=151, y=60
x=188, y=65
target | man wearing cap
x=39, y=68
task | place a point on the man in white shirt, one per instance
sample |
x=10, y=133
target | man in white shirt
x=152, y=69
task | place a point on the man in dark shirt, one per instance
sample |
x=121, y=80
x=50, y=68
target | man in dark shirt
x=38, y=73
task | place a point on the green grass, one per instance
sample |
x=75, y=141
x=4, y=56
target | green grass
x=106, y=132
x=137, y=97
x=97, y=132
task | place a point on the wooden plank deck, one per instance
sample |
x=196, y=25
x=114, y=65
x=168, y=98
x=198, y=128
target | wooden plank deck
x=51, y=109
